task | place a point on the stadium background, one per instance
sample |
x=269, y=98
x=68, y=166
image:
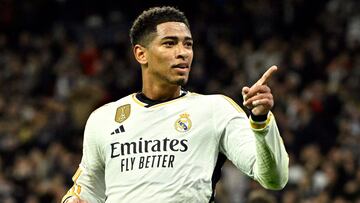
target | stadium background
x=60, y=59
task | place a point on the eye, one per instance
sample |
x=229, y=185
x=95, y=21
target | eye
x=169, y=43
x=188, y=44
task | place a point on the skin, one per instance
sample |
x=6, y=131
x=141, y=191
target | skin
x=172, y=45
x=258, y=97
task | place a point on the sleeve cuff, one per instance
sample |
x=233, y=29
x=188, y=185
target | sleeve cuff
x=259, y=118
x=70, y=194
x=65, y=198
x=259, y=122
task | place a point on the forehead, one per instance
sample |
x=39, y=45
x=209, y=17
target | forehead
x=177, y=29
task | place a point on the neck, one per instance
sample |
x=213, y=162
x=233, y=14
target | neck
x=161, y=93
x=155, y=91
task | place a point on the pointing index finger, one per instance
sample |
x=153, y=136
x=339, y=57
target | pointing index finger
x=264, y=78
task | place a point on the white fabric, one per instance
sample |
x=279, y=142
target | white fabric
x=152, y=161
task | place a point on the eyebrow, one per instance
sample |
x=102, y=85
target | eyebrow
x=175, y=38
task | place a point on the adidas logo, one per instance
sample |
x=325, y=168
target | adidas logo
x=118, y=130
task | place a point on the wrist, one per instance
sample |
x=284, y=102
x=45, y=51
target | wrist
x=258, y=118
x=67, y=199
x=259, y=122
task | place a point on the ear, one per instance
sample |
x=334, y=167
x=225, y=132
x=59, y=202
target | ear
x=140, y=54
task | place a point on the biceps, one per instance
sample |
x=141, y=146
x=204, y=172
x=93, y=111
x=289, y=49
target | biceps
x=238, y=144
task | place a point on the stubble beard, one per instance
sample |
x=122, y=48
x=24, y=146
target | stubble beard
x=173, y=81
x=181, y=82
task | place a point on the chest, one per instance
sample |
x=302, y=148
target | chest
x=164, y=137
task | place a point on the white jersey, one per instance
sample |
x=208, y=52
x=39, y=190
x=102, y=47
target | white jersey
x=139, y=152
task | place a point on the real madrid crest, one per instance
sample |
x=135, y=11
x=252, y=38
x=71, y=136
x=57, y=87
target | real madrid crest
x=183, y=124
x=122, y=113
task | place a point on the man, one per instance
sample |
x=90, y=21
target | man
x=165, y=144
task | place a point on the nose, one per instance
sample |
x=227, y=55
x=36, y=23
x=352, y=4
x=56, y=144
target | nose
x=182, y=52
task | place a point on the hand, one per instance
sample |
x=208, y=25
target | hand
x=75, y=199
x=258, y=98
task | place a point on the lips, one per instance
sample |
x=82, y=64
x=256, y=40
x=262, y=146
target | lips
x=181, y=66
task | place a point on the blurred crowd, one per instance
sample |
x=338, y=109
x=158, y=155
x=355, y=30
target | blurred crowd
x=60, y=60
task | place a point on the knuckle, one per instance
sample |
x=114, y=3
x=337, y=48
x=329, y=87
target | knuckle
x=266, y=88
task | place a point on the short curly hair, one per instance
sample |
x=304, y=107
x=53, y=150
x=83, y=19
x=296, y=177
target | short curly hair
x=144, y=26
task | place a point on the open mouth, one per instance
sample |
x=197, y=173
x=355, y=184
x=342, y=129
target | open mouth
x=181, y=66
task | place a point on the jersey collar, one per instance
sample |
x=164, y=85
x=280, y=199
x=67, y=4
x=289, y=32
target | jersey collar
x=149, y=102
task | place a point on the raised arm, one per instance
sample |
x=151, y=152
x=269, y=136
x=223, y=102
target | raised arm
x=254, y=145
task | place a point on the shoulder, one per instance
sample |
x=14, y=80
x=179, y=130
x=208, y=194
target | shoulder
x=208, y=97
x=218, y=100
x=103, y=111
x=214, y=98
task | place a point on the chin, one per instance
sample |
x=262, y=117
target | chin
x=181, y=82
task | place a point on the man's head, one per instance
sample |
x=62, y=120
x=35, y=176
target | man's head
x=144, y=27
x=162, y=44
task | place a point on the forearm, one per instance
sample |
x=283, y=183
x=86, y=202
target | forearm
x=87, y=186
x=271, y=165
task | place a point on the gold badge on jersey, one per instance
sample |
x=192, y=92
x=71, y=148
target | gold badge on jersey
x=122, y=113
x=183, y=124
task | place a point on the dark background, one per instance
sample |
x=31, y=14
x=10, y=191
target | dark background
x=59, y=60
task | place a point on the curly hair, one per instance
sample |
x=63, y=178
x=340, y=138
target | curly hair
x=144, y=26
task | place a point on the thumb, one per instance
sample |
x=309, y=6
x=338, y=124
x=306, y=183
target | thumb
x=244, y=92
